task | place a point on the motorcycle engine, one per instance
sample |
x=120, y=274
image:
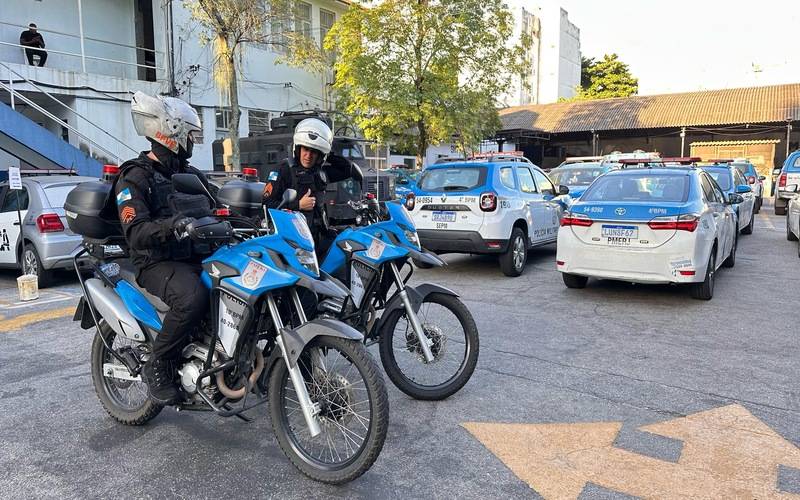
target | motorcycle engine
x=189, y=373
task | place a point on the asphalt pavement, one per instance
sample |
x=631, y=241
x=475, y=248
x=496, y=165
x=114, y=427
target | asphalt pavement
x=550, y=356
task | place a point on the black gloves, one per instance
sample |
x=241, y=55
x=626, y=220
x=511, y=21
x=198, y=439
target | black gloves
x=179, y=225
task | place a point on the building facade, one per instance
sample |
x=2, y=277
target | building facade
x=99, y=51
x=553, y=59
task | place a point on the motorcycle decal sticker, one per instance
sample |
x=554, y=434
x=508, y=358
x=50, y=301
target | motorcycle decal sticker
x=302, y=228
x=123, y=196
x=356, y=285
x=127, y=215
x=375, y=249
x=273, y=176
x=253, y=273
x=231, y=313
x=268, y=189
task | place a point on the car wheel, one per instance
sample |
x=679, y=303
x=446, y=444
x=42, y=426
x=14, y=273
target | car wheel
x=512, y=262
x=574, y=281
x=780, y=210
x=731, y=260
x=748, y=229
x=705, y=290
x=789, y=234
x=31, y=263
x=759, y=202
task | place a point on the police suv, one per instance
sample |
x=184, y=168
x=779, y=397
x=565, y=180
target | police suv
x=497, y=204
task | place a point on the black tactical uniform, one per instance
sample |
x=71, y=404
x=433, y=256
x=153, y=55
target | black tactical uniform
x=149, y=211
x=291, y=174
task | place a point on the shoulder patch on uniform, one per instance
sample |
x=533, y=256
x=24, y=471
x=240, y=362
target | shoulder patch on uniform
x=273, y=176
x=123, y=196
x=127, y=215
x=268, y=189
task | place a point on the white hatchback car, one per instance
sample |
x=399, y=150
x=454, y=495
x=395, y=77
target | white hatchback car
x=500, y=205
x=650, y=225
x=793, y=215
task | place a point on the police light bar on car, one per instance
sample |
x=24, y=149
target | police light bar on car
x=495, y=153
x=682, y=160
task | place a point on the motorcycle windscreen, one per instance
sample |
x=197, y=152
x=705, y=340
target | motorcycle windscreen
x=293, y=226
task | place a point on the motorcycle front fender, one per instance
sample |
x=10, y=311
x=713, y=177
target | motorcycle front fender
x=296, y=339
x=427, y=257
x=416, y=295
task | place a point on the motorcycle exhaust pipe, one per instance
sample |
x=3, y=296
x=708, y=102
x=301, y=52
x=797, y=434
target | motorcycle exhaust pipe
x=240, y=392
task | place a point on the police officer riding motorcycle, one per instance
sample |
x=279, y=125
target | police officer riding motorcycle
x=153, y=217
x=308, y=171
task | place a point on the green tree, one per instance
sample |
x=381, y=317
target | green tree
x=423, y=72
x=230, y=25
x=605, y=79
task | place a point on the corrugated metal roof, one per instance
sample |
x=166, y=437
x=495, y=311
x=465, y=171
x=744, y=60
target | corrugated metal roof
x=768, y=104
x=736, y=143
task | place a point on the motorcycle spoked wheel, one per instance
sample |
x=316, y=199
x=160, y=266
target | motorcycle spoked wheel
x=354, y=412
x=449, y=324
x=127, y=402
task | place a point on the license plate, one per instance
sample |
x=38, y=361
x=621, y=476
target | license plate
x=444, y=217
x=631, y=232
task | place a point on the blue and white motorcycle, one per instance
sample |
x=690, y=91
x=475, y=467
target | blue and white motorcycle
x=328, y=403
x=428, y=339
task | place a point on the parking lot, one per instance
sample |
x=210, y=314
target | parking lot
x=583, y=370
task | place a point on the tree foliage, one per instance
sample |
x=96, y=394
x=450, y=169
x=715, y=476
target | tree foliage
x=605, y=79
x=230, y=25
x=423, y=72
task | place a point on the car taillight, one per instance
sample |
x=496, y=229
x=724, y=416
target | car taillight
x=580, y=220
x=782, y=180
x=751, y=179
x=411, y=201
x=222, y=212
x=681, y=223
x=49, y=223
x=488, y=202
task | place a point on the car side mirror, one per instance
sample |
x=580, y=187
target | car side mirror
x=776, y=171
x=735, y=199
x=563, y=190
x=741, y=189
x=402, y=180
x=762, y=178
x=288, y=197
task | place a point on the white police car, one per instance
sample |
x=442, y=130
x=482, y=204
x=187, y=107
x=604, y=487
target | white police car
x=650, y=225
x=499, y=204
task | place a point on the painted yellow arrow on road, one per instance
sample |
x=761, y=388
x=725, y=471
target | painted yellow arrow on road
x=727, y=453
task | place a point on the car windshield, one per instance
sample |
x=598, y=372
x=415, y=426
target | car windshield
x=452, y=179
x=646, y=186
x=721, y=175
x=57, y=194
x=575, y=176
x=744, y=168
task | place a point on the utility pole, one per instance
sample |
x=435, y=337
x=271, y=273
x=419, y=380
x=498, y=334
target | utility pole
x=788, y=134
x=683, y=141
x=170, y=59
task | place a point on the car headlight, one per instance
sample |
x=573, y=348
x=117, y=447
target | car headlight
x=308, y=260
x=412, y=237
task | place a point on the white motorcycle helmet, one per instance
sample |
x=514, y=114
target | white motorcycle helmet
x=314, y=134
x=166, y=120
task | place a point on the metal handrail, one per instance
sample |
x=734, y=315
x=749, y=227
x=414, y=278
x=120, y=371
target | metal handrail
x=53, y=117
x=57, y=120
x=84, y=56
x=88, y=38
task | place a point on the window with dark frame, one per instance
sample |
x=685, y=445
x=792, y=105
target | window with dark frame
x=258, y=121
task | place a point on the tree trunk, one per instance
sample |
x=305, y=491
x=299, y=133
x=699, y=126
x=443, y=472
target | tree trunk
x=422, y=144
x=233, y=130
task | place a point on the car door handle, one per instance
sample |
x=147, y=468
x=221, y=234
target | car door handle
x=16, y=224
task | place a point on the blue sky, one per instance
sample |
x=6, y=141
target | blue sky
x=682, y=45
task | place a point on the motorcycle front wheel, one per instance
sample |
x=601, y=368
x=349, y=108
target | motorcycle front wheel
x=343, y=379
x=449, y=325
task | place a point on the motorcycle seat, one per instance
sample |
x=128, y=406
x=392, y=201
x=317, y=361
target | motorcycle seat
x=127, y=271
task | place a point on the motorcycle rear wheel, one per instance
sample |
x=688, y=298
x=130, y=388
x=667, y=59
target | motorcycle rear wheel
x=449, y=324
x=354, y=414
x=127, y=402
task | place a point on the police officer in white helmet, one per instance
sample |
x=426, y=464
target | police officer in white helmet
x=312, y=166
x=151, y=216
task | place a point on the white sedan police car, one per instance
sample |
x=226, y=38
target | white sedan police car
x=650, y=225
x=501, y=205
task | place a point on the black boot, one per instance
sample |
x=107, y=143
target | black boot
x=159, y=375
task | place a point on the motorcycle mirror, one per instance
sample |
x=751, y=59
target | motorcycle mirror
x=355, y=173
x=190, y=184
x=288, y=197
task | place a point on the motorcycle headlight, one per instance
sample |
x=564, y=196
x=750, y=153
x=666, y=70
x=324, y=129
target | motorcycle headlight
x=308, y=260
x=412, y=237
